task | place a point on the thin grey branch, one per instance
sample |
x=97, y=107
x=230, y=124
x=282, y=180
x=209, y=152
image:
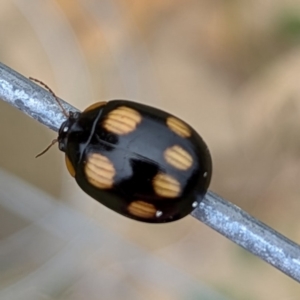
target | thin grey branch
x=249, y=233
x=217, y=213
x=31, y=98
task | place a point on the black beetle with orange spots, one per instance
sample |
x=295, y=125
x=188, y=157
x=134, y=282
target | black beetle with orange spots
x=137, y=160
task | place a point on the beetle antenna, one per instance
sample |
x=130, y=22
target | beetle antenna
x=52, y=93
x=44, y=151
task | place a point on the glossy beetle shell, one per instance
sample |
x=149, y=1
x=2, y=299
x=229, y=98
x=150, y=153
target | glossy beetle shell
x=137, y=160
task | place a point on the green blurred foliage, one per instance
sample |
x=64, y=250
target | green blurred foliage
x=288, y=25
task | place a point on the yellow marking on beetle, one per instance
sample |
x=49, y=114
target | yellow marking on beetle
x=70, y=166
x=166, y=186
x=142, y=209
x=179, y=127
x=99, y=171
x=179, y=158
x=122, y=120
x=95, y=105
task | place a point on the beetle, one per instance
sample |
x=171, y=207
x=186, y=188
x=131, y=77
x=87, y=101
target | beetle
x=139, y=161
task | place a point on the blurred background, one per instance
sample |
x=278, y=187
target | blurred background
x=229, y=68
